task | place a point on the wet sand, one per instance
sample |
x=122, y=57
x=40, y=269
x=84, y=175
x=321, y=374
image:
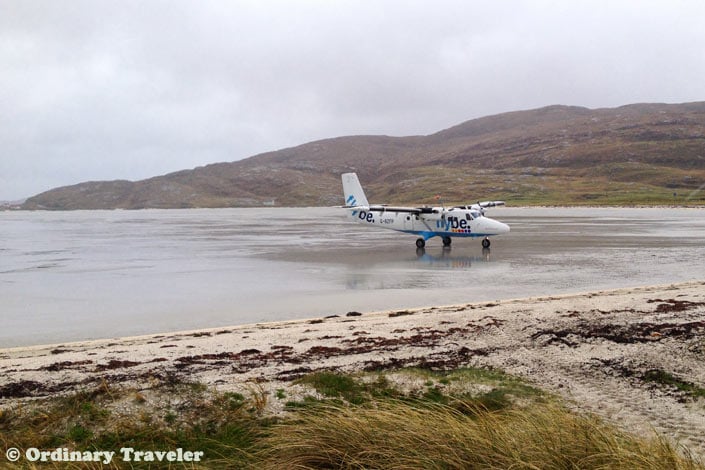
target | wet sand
x=634, y=355
x=74, y=276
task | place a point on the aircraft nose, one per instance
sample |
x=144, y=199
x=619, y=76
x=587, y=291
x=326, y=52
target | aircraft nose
x=498, y=227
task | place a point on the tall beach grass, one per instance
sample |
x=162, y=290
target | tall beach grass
x=404, y=435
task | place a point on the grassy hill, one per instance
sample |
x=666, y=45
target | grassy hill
x=635, y=154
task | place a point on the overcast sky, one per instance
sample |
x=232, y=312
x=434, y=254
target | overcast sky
x=93, y=89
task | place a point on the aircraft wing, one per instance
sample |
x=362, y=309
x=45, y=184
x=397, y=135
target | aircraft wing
x=384, y=208
x=482, y=205
x=490, y=203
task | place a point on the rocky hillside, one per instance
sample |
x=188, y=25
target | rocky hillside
x=635, y=154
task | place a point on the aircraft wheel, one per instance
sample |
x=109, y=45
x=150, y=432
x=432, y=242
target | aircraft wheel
x=446, y=241
x=486, y=243
x=420, y=243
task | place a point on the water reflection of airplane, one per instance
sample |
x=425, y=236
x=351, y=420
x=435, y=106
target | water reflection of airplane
x=416, y=273
x=426, y=222
x=447, y=260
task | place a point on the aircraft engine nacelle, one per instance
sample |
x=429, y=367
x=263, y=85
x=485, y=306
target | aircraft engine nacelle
x=431, y=213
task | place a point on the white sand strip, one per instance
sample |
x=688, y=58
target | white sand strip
x=607, y=352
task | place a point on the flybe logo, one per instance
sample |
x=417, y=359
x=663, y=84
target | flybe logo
x=454, y=225
x=351, y=202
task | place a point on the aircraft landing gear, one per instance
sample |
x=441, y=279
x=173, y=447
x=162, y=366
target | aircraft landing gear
x=486, y=243
x=420, y=243
x=446, y=241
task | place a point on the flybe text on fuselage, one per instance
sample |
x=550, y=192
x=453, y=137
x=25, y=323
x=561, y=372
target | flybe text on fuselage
x=454, y=225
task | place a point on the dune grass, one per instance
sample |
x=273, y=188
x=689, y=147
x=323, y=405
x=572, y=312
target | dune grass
x=185, y=415
x=399, y=434
x=408, y=418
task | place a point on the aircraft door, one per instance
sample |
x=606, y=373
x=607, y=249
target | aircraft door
x=409, y=221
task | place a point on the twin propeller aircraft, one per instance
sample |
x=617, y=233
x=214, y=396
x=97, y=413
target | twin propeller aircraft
x=426, y=222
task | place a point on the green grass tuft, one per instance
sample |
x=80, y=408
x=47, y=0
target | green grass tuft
x=666, y=378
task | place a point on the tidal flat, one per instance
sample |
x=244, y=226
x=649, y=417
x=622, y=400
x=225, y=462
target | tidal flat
x=81, y=275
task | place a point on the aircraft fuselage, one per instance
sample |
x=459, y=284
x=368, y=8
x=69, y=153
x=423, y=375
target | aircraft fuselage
x=430, y=222
x=427, y=222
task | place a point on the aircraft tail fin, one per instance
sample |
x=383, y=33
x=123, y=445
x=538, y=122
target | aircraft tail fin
x=352, y=191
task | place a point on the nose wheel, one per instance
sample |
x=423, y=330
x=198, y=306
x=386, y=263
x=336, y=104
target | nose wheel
x=486, y=243
x=420, y=243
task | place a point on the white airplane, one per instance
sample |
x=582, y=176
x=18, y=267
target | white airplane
x=426, y=222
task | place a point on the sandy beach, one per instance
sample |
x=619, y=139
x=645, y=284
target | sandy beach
x=635, y=356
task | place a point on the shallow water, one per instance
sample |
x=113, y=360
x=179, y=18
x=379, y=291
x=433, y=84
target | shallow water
x=94, y=274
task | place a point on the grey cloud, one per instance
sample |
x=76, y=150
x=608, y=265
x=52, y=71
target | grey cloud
x=132, y=89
